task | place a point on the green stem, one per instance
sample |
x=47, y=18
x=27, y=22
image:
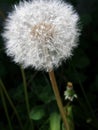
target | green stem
x=70, y=116
x=5, y=108
x=11, y=103
x=26, y=95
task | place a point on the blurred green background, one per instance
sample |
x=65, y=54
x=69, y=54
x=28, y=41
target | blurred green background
x=81, y=70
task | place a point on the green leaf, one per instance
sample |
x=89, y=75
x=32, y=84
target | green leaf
x=55, y=121
x=43, y=92
x=46, y=95
x=37, y=113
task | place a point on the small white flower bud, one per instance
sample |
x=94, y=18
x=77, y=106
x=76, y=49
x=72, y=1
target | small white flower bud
x=69, y=93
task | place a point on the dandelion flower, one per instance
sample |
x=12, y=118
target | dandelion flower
x=41, y=33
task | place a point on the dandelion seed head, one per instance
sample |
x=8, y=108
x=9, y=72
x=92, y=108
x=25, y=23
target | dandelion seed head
x=41, y=33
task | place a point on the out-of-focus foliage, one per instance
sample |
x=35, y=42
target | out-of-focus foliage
x=81, y=69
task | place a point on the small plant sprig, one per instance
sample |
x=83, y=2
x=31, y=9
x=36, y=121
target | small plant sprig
x=69, y=93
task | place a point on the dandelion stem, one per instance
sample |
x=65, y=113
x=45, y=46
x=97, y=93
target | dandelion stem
x=11, y=103
x=5, y=108
x=26, y=95
x=58, y=99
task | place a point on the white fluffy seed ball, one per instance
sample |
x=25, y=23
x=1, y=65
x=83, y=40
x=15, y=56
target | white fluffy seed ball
x=41, y=33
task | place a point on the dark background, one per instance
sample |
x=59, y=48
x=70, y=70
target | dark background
x=81, y=70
